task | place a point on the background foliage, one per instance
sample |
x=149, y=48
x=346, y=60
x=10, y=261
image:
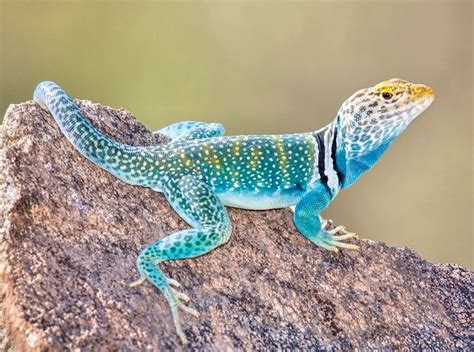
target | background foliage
x=272, y=67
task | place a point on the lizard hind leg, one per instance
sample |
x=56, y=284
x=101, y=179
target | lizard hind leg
x=202, y=209
x=180, y=245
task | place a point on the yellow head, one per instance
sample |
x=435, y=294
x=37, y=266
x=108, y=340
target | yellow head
x=375, y=116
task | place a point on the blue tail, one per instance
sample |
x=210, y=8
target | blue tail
x=123, y=161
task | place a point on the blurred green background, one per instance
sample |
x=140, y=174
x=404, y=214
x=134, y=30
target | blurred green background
x=272, y=67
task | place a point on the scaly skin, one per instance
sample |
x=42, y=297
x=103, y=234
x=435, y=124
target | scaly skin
x=200, y=170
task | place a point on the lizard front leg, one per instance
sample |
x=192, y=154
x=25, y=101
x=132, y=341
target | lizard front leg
x=309, y=222
x=190, y=130
x=196, y=203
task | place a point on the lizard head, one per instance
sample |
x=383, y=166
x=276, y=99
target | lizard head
x=371, y=118
x=376, y=115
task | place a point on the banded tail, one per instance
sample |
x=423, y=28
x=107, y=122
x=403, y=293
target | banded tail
x=125, y=162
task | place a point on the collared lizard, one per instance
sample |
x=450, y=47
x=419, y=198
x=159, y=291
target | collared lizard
x=201, y=171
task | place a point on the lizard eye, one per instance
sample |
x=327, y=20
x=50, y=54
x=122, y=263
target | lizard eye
x=387, y=95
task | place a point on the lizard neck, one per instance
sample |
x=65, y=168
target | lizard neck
x=330, y=162
x=354, y=165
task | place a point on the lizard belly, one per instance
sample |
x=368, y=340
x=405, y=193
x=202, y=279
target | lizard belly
x=259, y=200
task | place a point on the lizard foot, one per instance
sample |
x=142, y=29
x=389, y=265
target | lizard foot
x=181, y=298
x=176, y=301
x=330, y=241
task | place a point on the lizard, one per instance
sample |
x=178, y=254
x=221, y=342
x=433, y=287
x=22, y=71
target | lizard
x=200, y=171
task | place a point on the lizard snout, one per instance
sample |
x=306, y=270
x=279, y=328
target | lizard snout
x=420, y=91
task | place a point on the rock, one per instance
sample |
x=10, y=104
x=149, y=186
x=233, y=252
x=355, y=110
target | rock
x=71, y=233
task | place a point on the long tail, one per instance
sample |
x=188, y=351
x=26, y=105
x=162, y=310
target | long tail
x=135, y=165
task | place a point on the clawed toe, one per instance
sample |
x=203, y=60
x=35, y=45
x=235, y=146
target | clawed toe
x=346, y=245
x=182, y=337
x=173, y=282
x=345, y=237
x=188, y=310
x=336, y=230
x=180, y=296
x=335, y=244
x=138, y=282
x=328, y=246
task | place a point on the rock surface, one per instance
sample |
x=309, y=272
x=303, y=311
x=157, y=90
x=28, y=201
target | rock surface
x=70, y=233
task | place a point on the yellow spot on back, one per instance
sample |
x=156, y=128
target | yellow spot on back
x=281, y=154
x=236, y=149
x=255, y=159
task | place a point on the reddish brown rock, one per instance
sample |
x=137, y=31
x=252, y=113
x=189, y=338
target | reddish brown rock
x=70, y=233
